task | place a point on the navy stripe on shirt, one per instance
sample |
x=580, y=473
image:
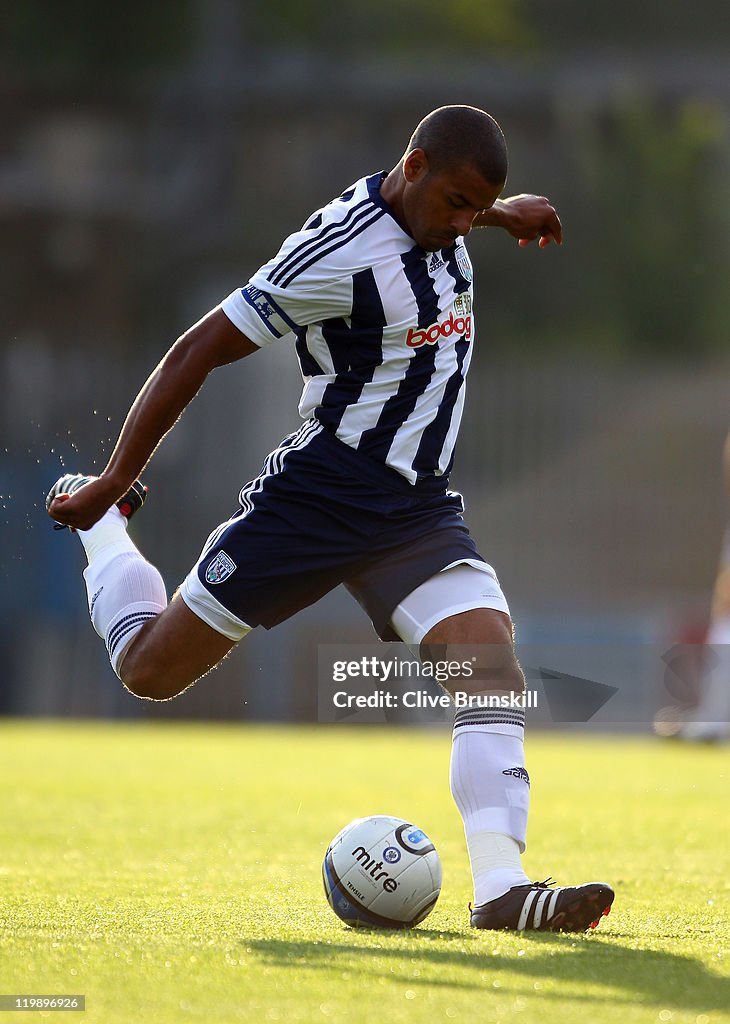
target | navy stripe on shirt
x=434, y=436
x=377, y=440
x=427, y=300
x=309, y=365
x=357, y=349
x=462, y=285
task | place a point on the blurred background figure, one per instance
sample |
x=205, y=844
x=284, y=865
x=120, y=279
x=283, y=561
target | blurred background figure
x=710, y=720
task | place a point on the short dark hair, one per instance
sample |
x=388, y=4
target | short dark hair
x=458, y=135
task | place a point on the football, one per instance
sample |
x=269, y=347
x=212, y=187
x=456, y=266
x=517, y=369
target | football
x=381, y=872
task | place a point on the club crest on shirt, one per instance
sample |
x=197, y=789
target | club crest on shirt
x=464, y=263
x=220, y=568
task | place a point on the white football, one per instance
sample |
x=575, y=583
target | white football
x=381, y=872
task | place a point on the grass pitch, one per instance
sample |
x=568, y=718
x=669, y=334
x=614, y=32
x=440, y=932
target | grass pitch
x=172, y=873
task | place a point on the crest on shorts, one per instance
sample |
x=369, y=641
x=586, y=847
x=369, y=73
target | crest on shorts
x=220, y=568
x=464, y=263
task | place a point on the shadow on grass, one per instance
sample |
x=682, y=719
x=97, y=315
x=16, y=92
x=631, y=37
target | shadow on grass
x=628, y=975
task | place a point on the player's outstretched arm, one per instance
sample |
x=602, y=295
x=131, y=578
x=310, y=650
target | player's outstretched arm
x=212, y=342
x=525, y=217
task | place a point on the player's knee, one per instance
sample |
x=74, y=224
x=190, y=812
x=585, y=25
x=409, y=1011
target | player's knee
x=150, y=687
x=479, y=668
x=480, y=643
x=148, y=681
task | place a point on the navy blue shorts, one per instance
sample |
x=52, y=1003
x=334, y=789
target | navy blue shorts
x=320, y=514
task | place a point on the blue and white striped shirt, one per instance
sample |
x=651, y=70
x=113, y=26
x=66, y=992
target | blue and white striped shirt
x=383, y=329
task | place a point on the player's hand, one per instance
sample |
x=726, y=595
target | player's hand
x=86, y=506
x=528, y=217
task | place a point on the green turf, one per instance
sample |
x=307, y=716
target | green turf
x=172, y=874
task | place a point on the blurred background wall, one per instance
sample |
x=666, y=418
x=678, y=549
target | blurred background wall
x=154, y=155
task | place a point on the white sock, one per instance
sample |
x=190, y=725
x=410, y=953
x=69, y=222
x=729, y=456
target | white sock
x=111, y=530
x=492, y=791
x=124, y=590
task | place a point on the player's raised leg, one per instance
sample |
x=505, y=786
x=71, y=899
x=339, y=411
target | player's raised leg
x=172, y=652
x=157, y=650
x=489, y=781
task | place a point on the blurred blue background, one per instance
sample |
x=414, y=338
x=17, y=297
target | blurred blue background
x=154, y=155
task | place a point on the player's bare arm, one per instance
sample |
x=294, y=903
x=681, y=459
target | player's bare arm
x=525, y=217
x=210, y=343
